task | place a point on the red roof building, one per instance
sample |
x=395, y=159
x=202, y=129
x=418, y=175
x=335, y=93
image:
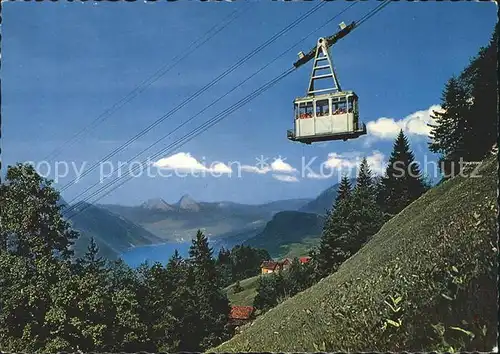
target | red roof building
x=304, y=260
x=269, y=267
x=241, y=314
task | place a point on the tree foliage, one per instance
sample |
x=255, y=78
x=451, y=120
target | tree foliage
x=333, y=243
x=212, y=304
x=403, y=182
x=276, y=287
x=241, y=262
x=51, y=301
x=365, y=217
x=466, y=128
x=354, y=218
x=32, y=225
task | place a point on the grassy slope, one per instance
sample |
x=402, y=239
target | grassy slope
x=285, y=228
x=299, y=249
x=245, y=297
x=454, y=224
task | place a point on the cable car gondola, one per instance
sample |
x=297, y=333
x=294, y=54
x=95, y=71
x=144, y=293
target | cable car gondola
x=325, y=114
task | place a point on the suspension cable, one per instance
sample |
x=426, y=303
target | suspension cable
x=373, y=12
x=195, y=132
x=227, y=93
x=199, y=92
x=164, y=69
x=212, y=121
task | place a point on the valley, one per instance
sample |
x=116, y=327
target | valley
x=155, y=228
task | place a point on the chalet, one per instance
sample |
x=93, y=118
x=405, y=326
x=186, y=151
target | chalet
x=286, y=263
x=274, y=266
x=304, y=260
x=269, y=267
x=241, y=315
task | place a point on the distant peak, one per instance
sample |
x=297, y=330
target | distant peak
x=157, y=203
x=188, y=203
x=186, y=197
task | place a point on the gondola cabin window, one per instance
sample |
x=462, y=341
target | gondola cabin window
x=350, y=104
x=305, y=110
x=322, y=108
x=339, y=105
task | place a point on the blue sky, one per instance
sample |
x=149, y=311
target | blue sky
x=63, y=64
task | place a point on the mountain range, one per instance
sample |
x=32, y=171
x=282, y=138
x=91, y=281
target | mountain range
x=117, y=228
x=113, y=233
x=179, y=222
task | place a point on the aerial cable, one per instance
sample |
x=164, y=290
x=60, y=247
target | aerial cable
x=373, y=12
x=164, y=69
x=197, y=131
x=211, y=122
x=190, y=136
x=199, y=92
x=214, y=102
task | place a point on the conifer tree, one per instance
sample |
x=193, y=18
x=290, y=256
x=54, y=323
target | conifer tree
x=402, y=182
x=449, y=134
x=467, y=127
x=225, y=267
x=364, y=181
x=130, y=330
x=365, y=217
x=94, y=299
x=480, y=79
x=91, y=262
x=344, y=190
x=175, y=270
x=156, y=302
x=212, y=304
x=182, y=304
x=332, y=246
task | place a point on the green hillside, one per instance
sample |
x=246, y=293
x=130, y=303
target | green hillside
x=285, y=228
x=112, y=233
x=300, y=249
x=439, y=255
x=246, y=296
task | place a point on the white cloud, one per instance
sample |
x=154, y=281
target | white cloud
x=255, y=169
x=348, y=163
x=413, y=124
x=184, y=162
x=278, y=165
x=338, y=161
x=285, y=178
x=181, y=161
x=219, y=167
x=377, y=162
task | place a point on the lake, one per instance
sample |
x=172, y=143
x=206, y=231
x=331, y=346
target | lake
x=159, y=252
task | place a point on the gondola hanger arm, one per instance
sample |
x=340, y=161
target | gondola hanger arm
x=331, y=40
